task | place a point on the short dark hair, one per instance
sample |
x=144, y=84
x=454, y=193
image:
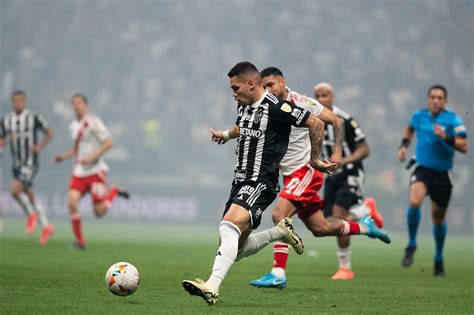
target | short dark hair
x=438, y=87
x=244, y=67
x=270, y=71
x=81, y=96
x=18, y=92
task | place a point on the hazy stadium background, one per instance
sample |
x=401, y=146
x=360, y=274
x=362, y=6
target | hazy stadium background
x=155, y=71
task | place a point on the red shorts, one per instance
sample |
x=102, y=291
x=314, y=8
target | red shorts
x=301, y=188
x=95, y=184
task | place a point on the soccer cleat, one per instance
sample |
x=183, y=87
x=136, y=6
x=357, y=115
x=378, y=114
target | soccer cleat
x=407, y=259
x=290, y=237
x=77, y=246
x=122, y=192
x=438, y=270
x=269, y=281
x=198, y=287
x=31, y=223
x=343, y=274
x=374, y=213
x=46, y=234
x=375, y=232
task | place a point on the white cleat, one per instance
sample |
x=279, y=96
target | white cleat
x=290, y=237
x=198, y=287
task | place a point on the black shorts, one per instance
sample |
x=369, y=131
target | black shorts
x=438, y=184
x=344, y=190
x=25, y=174
x=253, y=196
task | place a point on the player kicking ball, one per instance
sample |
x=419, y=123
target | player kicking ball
x=91, y=140
x=263, y=127
x=21, y=127
x=302, y=183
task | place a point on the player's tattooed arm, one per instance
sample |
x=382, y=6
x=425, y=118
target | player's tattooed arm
x=316, y=132
x=221, y=137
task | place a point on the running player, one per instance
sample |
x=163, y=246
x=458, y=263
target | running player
x=91, y=140
x=263, y=127
x=21, y=128
x=343, y=192
x=302, y=183
x=440, y=133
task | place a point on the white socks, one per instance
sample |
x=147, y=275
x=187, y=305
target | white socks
x=43, y=220
x=344, y=255
x=25, y=203
x=29, y=208
x=360, y=211
x=226, y=254
x=257, y=241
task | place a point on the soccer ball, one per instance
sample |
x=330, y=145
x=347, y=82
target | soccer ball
x=122, y=279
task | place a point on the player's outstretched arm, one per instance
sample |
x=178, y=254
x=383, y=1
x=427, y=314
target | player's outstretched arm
x=406, y=139
x=221, y=137
x=316, y=132
x=58, y=158
x=328, y=117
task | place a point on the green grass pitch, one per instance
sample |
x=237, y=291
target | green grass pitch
x=55, y=280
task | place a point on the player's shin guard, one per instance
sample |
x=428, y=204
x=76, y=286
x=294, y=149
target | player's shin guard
x=257, y=241
x=77, y=228
x=413, y=220
x=439, y=233
x=43, y=220
x=280, y=257
x=229, y=234
x=344, y=256
x=25, y=203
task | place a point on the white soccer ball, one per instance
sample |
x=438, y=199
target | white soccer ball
x=122, y=279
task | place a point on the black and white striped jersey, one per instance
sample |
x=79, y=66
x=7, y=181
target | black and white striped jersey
x=21, y=130
x=264, y=135
x=353, y=136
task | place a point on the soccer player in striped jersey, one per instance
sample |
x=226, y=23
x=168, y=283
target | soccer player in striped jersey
x=21, y=128
x=344, y=192
x=302, y=183
x=262, y=127
x=92, y=140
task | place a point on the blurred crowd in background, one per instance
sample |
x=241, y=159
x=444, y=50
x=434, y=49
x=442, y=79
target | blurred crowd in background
x=155, y=71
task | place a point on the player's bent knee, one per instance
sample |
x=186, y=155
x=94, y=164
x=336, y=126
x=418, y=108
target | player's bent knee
x=277, y=217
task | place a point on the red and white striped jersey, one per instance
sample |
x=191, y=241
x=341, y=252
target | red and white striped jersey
x=88, y=135
x=299, y=147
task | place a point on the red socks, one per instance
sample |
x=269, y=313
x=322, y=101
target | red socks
x=111, y=196
x=77, y=228
x=350, y=228
x=280, y=254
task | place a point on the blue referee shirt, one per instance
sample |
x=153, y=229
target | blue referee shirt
x=431, y=151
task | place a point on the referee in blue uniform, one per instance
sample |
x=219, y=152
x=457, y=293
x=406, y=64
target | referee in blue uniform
x=439, y=133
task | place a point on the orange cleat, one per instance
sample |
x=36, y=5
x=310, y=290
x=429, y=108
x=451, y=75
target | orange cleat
x=31, y=223
x=343, y=274
x=46, y=234
x=374, y=213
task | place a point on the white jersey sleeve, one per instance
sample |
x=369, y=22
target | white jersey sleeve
x=99, y=129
